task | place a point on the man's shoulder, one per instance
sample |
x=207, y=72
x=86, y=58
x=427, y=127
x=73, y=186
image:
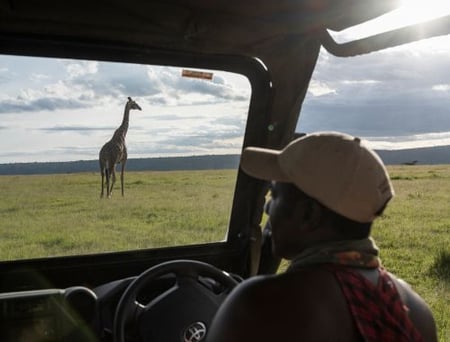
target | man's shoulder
x=278, y=303
x=301, y=285
x=418, y=310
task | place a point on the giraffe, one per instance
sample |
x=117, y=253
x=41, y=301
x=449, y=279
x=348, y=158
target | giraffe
x=115, y=152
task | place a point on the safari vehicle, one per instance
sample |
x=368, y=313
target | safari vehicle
x=233, y=74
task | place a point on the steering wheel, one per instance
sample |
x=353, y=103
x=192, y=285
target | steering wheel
x=183, y=312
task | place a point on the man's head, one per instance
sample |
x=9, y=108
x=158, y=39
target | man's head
x=335, y=169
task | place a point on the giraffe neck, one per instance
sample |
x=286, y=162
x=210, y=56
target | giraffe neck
x=123, y=128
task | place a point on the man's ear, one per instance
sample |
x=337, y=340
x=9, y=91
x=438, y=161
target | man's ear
x=313, y=216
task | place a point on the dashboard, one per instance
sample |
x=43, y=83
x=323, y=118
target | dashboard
x=154, y=306
x=47, y=315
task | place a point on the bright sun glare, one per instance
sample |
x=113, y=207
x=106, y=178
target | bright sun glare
x=410, y=12
x=413, y=11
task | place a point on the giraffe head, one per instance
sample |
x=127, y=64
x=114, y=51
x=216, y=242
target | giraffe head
x=131, y=104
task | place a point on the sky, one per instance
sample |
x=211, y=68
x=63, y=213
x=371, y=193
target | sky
x=61, y=110
x=395, y=98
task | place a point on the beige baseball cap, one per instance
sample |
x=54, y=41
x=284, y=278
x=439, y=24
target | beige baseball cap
x=335, y=169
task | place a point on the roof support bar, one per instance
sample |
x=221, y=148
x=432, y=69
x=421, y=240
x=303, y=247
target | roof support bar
x=404, y=35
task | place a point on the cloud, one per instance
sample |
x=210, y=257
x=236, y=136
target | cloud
x=77, y=69
x=189, y=144
x=21, y=105
x=441, y=87
x=397, y=92
x=36, y=77
x=116, y=80
x=198, y=136
x=375, y=118
x=81, y=84
x=177, y=90
x=4, y=75
x=317, y=88
x=82, y=129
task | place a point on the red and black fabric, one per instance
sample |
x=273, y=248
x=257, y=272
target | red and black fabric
x=378, y=310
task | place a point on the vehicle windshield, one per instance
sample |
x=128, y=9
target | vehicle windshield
x=183, y=150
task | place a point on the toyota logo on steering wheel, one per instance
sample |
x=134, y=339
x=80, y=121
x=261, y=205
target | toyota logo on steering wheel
x=195, y=332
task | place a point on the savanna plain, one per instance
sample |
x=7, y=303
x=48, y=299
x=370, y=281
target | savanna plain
x=53, y=215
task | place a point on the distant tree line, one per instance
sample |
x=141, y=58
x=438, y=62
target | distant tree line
x=210, y=162
x=419, y=156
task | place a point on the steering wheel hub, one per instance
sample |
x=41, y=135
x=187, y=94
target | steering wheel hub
x=182, y=312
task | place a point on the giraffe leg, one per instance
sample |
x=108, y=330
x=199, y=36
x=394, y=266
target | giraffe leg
x=113, y=180
x=102, y=172
x=108, y=178
x=121, y=175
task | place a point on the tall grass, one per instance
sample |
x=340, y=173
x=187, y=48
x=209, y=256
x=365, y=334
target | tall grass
x=63, y=214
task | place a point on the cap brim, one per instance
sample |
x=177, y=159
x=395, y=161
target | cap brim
x=262, y=163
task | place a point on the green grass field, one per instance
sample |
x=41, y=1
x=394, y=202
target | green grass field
x=414, y=236
x=63, y=214
x=52, y=215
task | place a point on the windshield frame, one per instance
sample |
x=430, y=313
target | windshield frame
x=227, y=254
